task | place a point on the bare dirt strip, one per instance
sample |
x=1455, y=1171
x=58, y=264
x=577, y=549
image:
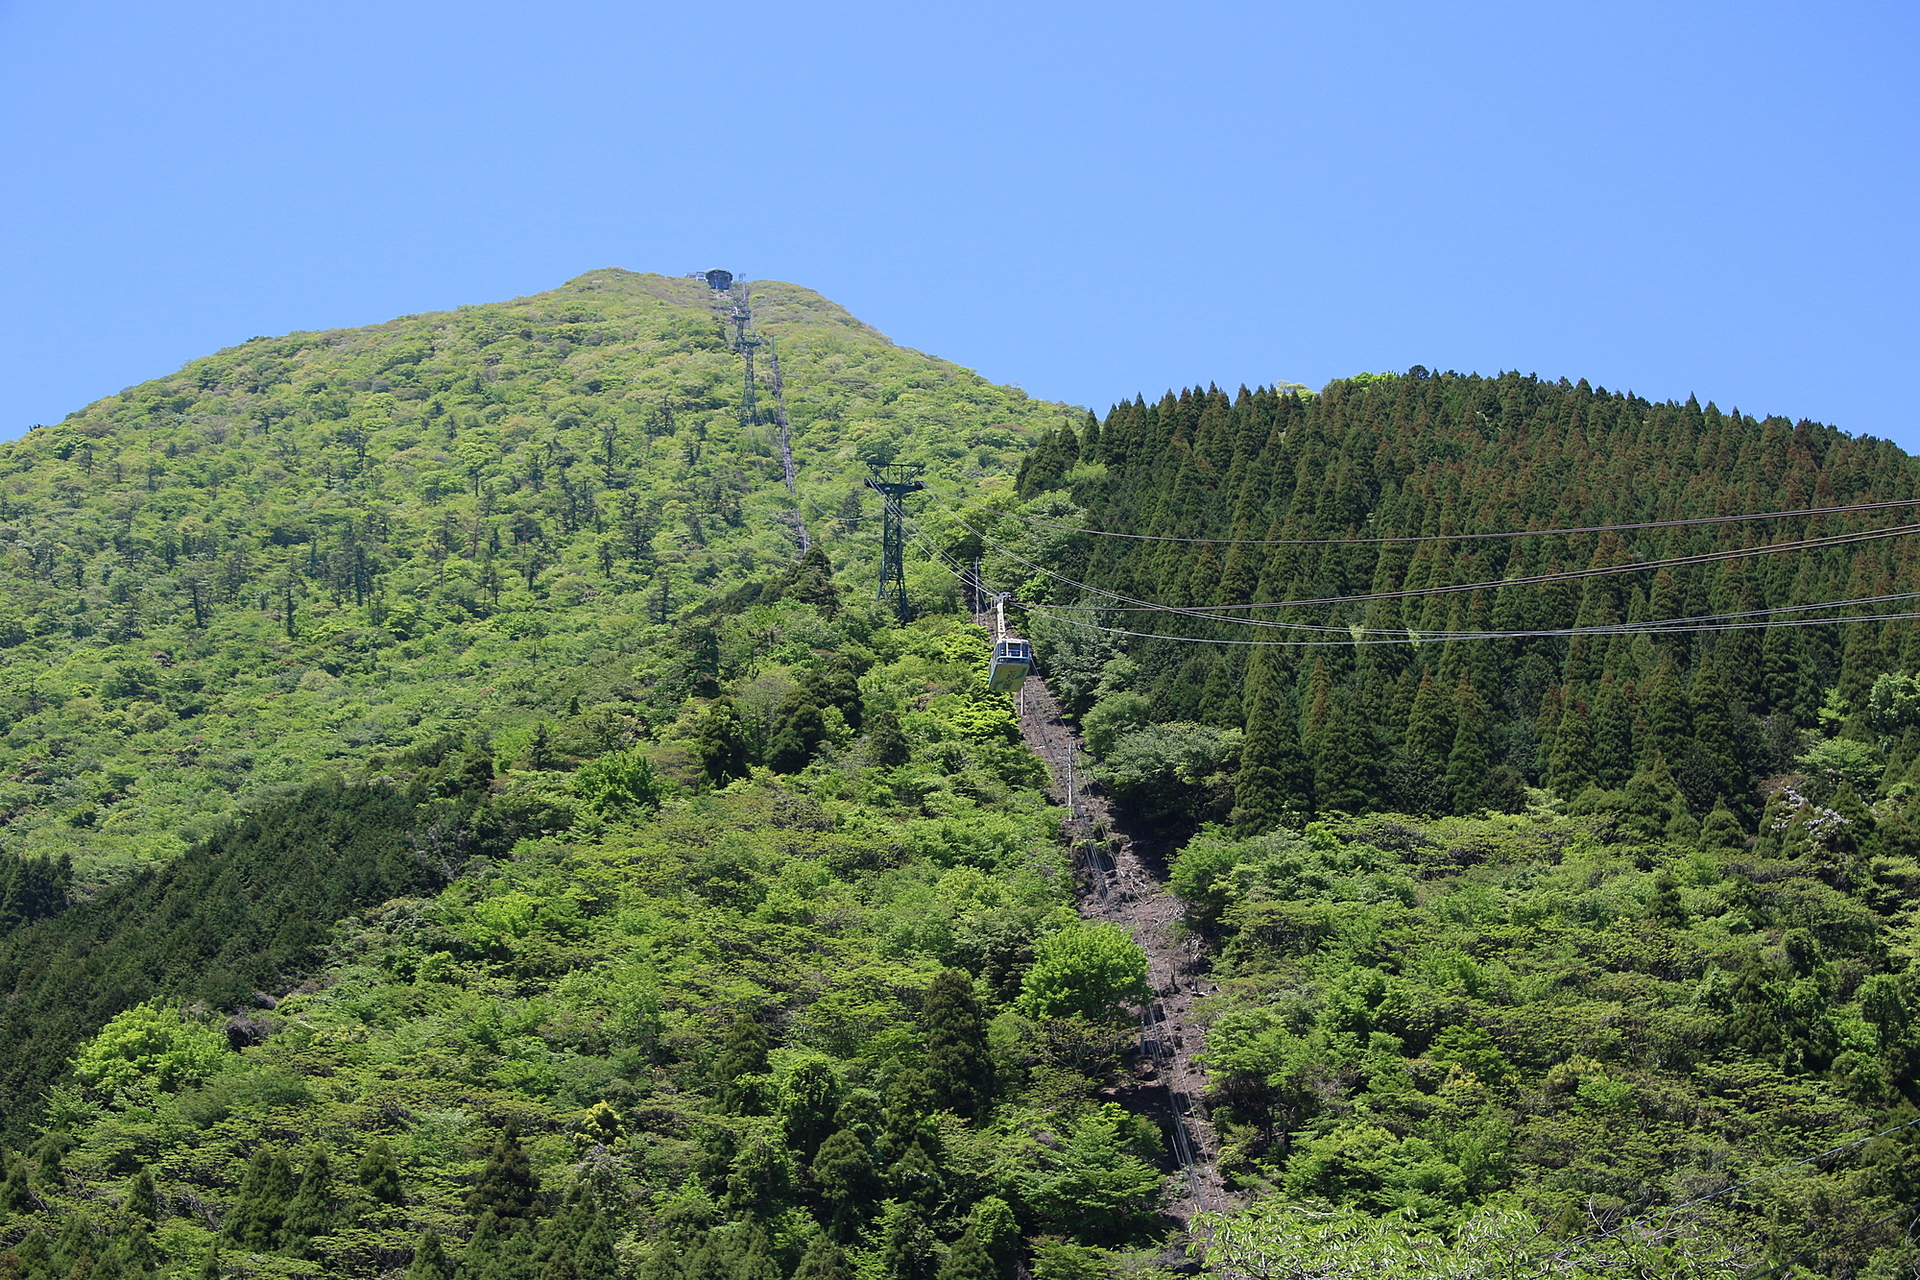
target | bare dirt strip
x=1122, y=878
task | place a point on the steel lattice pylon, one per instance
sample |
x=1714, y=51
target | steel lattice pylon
x=893, y=483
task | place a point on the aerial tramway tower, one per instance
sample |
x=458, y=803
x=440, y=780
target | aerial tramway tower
x=893, y=483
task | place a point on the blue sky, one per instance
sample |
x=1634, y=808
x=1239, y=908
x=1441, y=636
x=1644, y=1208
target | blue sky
x=1091, y=200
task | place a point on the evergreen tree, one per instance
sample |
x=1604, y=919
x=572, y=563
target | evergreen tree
x=508, y=1190
x=823, y=1260
x=809, y=1104
x=742, y=1054
x=1468, y=758
x=906, y=1242
x=721, y=744
x=36, y=1255
x=1430, y=729
x=311, y=1211
x=1612, y=734
x=844, y=1174
x=915, y=1177
x=798, y=730
x=1275, y=780
x=703, y=1260
x=540, y=752
x=430, y=1259
x=663, y=1263
x=1721, y=831
x=887, y=743
x=482, y=1259
x=379, y=1174
x=812, y=583
x=266, y=1195
x=49, y=1173
x=141, y=1203
x=755, y=1261
x=1570, y=767
x=908, y=1113
x=1665, y=906
x=959, y=1069
x=594, y=1257
x=968, y=1259
x=75, y=1249
x=1653, y=804
x=1346, y=770
x=16, y=1191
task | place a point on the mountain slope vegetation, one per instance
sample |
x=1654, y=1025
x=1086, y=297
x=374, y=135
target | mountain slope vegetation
x=1524, y=902
x=305, y=551
x=467, y=816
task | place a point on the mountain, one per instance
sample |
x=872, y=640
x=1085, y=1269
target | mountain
x=305, y=552
x=471, y=814
x=496, y=843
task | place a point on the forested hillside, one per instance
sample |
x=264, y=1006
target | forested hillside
x=466, y=816
x=824, y=1018
x=1633, y=932
x=453, y=829
x=1361, y=518
x=304, y=551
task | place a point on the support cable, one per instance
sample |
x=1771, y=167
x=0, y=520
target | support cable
x=1046, y=611
x=1218, y=613
x=1538, y=579
x=1454, y=537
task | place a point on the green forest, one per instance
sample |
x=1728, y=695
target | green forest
x=467, y=814
x=1568, y=925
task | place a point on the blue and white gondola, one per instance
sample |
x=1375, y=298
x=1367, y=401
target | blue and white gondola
x=1012, y=660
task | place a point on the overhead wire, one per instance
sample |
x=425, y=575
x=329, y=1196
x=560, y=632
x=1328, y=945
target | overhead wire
x=1335, y=634
x=1538, y=579
x=1416, y=638
x=1363, y=635
x=1456, y=537
x=1649, y=626
x=1216, y=613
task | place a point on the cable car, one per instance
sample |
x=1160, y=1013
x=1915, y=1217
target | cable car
x=1012, y=660
x=1012, y=656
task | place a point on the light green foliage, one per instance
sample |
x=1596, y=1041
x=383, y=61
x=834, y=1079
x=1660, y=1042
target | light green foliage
x=1091, y=971
x=1893, y=704
x=1094, y=1188
x=592, y=986
x=1174, y=772
x=1843, y=760
x=1112, y=717
x=149, y=1046
x=619, y=784
x=1309, y=1241
x=312, y=550
x=1531, y=1014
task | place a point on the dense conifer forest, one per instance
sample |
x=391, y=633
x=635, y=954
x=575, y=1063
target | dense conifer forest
x=467, y=816
x=1541, y=876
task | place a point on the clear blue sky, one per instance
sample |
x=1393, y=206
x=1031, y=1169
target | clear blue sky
x=1090, y=200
